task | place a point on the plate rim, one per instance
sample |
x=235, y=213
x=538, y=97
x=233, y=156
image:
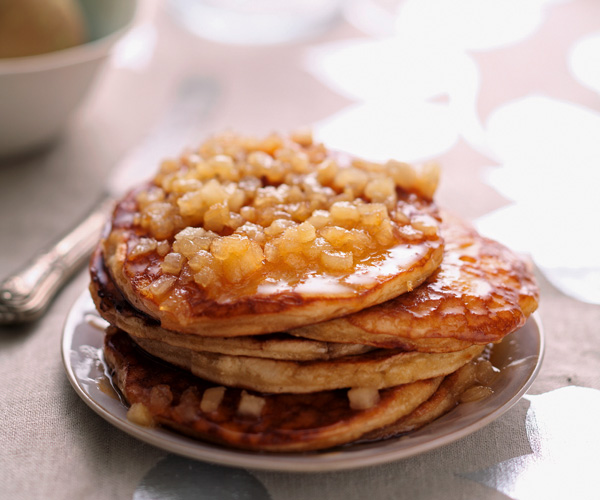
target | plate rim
x=320, y=461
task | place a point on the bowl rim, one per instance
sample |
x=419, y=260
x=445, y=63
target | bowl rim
x=88, y=51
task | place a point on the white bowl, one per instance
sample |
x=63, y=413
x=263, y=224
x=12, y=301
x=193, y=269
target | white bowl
x=39, y=93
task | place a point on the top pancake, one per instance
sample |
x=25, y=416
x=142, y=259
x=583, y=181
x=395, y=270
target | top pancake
x=481, y=292
x=246, y=236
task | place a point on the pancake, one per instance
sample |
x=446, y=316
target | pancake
x=271, y=295
x=481, y=292
x=276, y=346
x=446, y=397
x=377, y=369
x=246, y=237
x=286, y=422
x=113, y=307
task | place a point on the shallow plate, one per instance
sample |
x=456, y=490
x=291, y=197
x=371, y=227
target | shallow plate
x=519, y=357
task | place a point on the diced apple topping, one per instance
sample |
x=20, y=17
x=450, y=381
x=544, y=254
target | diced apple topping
x=363, y=398
x=212, y=398
x=241, y=206
x=139, y=414
x=250, y=405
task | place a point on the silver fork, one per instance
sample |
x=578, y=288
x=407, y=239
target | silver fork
x=26, y=295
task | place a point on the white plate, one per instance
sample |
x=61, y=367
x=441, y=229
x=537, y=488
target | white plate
x=519, y=356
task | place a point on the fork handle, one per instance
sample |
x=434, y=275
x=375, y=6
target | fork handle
x=25, y=295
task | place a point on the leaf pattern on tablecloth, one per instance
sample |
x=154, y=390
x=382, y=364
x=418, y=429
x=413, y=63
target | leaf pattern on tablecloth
x=178, y=478
x=414, y=91
x=562, y=427
x=549, y=150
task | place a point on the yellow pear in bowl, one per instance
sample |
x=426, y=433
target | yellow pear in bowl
x=32, y=27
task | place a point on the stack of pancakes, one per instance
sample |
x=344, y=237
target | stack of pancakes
x=269, y=294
